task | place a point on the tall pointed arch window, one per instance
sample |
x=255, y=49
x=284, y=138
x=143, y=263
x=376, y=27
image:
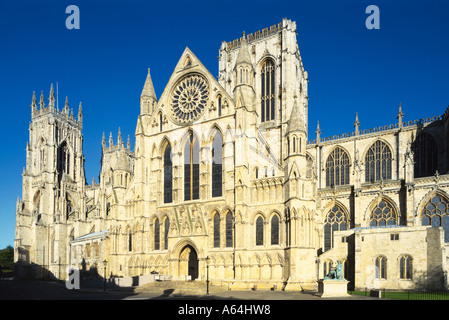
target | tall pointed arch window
x=336, y=220
x=168, y=175
x=267, y=77
x=160, y=122
x=216, y=230
x=405, y=267
x=425, y=152
x=166, y=231
x=157, y=228
x=381, y=267
x=191, y=168
x=435, y=213
x=217, y=165
x=63, y=160
x=130, y=240
x=309, y=166
x=229, y=226
x=275, y=230
x=219, y=106
x=259, y=231
x=378, y=162
x=337, y=168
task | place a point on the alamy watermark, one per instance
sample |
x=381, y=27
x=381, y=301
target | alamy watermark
x=72, y=21
x=372, y=277
x=373, y=20
x=73, y=281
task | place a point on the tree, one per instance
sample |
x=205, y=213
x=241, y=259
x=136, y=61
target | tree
x=7, y=260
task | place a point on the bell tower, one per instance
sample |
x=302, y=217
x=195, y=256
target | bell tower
x=53, y=184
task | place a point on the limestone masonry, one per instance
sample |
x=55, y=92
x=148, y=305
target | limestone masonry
x=224, y=178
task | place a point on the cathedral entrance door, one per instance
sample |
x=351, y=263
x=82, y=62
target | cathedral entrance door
x=188, y=262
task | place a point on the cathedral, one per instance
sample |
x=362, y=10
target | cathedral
x=224, y=182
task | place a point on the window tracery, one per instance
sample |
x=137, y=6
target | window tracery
x=267, y=91
x=337, y=168
x=378, y=162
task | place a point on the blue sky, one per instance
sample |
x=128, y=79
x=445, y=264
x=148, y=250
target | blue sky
x=104, y=64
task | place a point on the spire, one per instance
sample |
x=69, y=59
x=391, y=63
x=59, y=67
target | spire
x=148, y=97
x=51, y=99
x=128, y=144
x=356, y=123
x=148, y=89
x=42, y=102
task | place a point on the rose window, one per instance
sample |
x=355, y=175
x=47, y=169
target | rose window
x=189, y=99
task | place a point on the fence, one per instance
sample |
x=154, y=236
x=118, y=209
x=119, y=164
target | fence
x=405, y=295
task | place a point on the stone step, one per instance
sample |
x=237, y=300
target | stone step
x=178, y=287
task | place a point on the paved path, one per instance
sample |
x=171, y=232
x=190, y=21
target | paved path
x=45, y=290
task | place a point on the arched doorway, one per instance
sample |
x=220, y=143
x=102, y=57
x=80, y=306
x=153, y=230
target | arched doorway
x=188, y=262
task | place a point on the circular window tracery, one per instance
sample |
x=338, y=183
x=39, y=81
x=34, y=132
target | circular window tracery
x=189, y=99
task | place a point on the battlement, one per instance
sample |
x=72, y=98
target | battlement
x=423, y=121
x=260, y=34
x=68, y=116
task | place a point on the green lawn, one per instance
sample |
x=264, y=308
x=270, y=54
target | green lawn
x=405, y=295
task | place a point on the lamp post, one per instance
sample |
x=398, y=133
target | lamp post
x=207, y=275
x=104, y=277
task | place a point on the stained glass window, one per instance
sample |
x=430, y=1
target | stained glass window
x=217, y=230
x=405, y=268
x=229, y=226
x=166, y=231
x=267, y=91
x=275, y=230
x=336, y=220
x=337, y=168
x=217, y=166
x=191, y=169
x=381, y=267
x=168, y=175
x=425, y=152
x=309, y=166
x=259, y=231
x=378, y=162
x=156, y=234
x=436, y=214
x=383, y=214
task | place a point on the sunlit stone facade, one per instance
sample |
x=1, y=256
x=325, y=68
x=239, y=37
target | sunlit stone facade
x=224, y=177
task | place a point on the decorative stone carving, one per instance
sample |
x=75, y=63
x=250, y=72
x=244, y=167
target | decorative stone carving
x=189, y=99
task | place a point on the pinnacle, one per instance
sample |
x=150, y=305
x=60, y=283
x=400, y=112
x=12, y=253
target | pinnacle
x=243, y=55
x=148, y=88
x=295, y=123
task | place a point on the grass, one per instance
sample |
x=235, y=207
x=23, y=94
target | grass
x=408, y=295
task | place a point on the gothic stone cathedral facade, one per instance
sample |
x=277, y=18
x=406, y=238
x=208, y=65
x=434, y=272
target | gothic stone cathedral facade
x=223, y=177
